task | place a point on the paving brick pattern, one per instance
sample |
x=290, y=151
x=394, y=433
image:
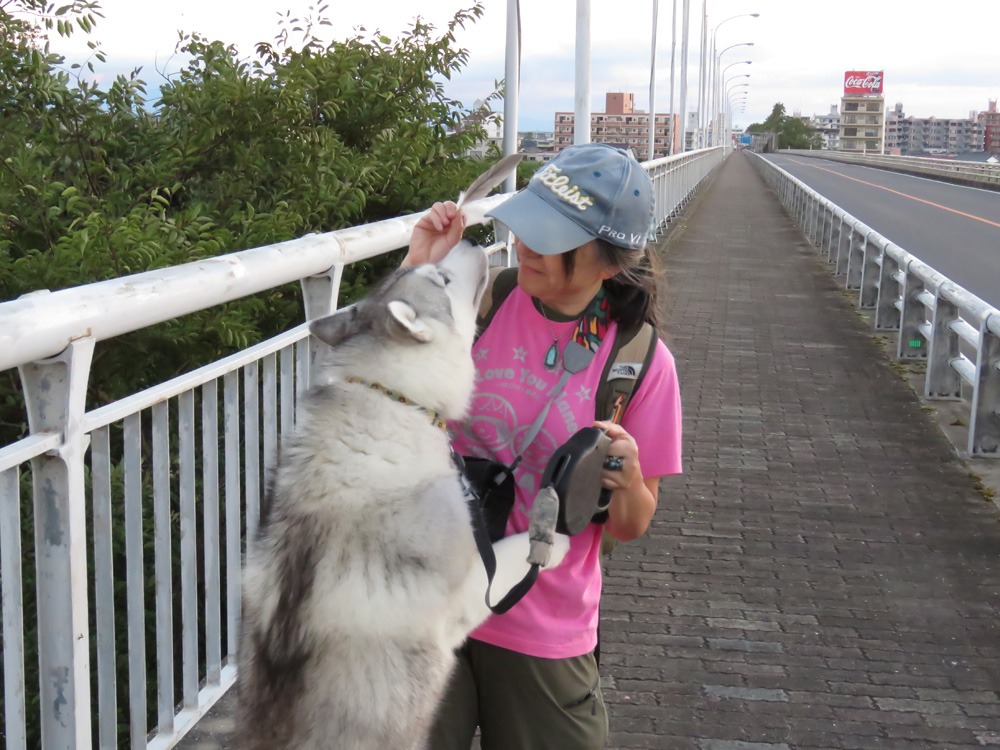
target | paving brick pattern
x=824, y=574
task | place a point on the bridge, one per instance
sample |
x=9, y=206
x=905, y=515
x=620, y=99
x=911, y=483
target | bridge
x=825, y=574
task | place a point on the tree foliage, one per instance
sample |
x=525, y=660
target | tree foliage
x=237, y=152
x=792, y=132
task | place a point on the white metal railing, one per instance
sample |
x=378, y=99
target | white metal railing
x=956, y=332
x=976, y=173
x=182, y=513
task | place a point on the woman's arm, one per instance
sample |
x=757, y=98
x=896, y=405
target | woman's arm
x=436, y=233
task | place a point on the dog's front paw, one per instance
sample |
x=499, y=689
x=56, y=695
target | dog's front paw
x=542, y=526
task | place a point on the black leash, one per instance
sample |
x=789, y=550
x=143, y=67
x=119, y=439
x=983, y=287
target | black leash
x=485, y=547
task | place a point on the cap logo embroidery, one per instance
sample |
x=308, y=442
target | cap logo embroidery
x=606, y=231
x=552, y=178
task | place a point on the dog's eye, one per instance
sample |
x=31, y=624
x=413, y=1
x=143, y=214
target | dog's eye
x=445, y=277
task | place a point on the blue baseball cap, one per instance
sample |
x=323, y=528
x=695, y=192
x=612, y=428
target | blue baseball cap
x=587, y=191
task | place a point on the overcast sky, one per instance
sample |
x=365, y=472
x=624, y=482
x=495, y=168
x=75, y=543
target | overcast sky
x=939, y=60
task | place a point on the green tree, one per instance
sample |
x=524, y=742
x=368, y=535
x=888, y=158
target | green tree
x=301, y=137
x=791, y=132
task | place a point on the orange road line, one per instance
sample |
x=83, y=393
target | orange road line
x=906, y=195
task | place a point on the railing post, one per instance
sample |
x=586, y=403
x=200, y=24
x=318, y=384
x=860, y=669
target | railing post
x=827, y=239
x=844, y=249
x=55, y=392
x=869, y=276
x=836, y=229
x=911, y=343
x=817, y=221
x=855, y=261
x=319, y=295
x=984, y=427
x=886, y=313
x=942, y=381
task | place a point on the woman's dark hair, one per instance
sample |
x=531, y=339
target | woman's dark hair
x=632, y=292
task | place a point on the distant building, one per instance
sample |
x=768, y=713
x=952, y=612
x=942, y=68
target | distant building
x=828, y=128
x=536, y=145
x=862, y=108
x=934, y=136
x=989, y=126
x=621, y=125
x=482, y=116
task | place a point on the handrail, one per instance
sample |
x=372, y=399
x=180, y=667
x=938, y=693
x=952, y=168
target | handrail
x=972, y=173
x=938, y=321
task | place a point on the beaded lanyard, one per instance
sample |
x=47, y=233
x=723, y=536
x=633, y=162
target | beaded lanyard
x=577, y=355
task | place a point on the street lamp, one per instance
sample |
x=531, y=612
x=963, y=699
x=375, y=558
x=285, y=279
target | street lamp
x=737, y=85
x=713, y=98
x=717, y=91
x=716, y=30
x=736, y=103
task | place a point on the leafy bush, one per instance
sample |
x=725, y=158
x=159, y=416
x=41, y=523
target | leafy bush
x=236, y=153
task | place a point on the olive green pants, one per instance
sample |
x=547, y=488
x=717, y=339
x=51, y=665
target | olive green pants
x=521, y=702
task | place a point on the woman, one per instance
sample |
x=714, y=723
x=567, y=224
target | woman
x=529, y=678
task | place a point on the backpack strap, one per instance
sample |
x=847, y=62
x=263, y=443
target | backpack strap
x=499, y=285
x=630, y=358
x=631, y=355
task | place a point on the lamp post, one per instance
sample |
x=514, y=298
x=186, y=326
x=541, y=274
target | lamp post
x=685, y=21
x=726, y=20
x=652, y=84
x=737, y=100
x=581, y=124
x=702, y=78
x=512, y=71
x=716, y=88
x=673, y=59
x=737, y=85
x=716, y=78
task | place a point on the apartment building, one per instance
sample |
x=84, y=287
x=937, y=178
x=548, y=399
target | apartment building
x=622, y=125
x=914, y=136
x=828, y=127
x=989, y=128
x=862, y=112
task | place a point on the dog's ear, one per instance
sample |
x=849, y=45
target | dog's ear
x=407, y=317
x=336, y=327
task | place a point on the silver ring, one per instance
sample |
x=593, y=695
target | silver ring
x=614, y=463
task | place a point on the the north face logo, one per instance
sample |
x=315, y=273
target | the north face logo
x=628, y=370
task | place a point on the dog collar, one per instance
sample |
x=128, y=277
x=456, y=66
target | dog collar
x=436, y=419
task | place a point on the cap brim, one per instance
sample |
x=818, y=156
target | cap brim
x=538, y=225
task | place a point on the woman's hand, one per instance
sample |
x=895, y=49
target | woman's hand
x=633, y=499
x=435, y=234
x=622, y=447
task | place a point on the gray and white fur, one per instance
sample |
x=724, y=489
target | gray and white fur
x=364, y=576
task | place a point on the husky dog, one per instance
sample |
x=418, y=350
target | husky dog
x=365, y=576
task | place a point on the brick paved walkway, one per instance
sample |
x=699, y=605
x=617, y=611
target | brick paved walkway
x=825, y=574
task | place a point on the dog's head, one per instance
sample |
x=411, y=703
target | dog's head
x=413, y=332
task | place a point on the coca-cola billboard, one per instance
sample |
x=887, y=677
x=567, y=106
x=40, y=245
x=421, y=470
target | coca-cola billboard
x=862, y=82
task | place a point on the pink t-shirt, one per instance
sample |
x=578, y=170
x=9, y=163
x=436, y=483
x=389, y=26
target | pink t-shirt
x=558, y=616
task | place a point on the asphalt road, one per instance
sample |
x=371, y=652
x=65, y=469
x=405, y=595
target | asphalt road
x=954, y=229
